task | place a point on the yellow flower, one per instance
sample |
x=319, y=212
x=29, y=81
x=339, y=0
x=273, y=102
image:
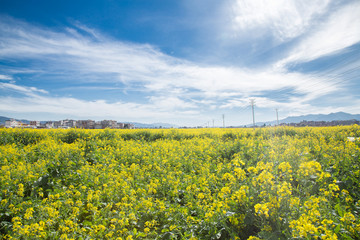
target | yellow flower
x=285, y=167
x=240, y=173
x=28, y=213
x=348, y=217
x=20, y=191
x=252, y=170
x=200, y=195
x=262, y=209
x=253, y=238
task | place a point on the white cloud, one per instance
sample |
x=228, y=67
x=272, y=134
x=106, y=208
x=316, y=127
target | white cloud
x=98, y=109
x=268, y=103
x=134, y=63
x=170, y=103
x=5, y=77
x=30, y=91
x=341, y=30
x=284, y=18
x=31, y=100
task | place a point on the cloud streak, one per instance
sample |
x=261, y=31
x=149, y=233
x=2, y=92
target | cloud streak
x=131, y=63
x=28, y=91
x=33, y=102
x=285, y=19
x=341, y=30
x=5, y=77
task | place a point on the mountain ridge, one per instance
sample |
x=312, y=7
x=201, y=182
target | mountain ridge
x=337, y=116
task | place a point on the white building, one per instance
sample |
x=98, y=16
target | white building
x=68, y=123
x=49, y=124
x=12, y=123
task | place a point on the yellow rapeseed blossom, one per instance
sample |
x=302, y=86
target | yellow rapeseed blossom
x=184, y=183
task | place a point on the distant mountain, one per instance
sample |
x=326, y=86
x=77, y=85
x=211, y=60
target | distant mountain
x=314, y=117
x=153, y=125
x=322, y=117
x=3, y=119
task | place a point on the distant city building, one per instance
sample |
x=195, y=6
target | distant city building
x=87, y=124
x=98, y=125
x=69, y=123
x=49, y=124
x=108, y=124
x=12, y=123
x=129, y=126
x=35, y=124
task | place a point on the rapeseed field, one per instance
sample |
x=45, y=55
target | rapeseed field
x=269, y=183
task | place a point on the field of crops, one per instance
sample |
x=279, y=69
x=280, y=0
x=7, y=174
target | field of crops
x=274, y=183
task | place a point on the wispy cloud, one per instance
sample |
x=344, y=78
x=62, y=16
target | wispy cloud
x=29, y=91
x=339, y=31
x=33, y=102
x=285, y=19
x=134, y=63
x=5, y=77
x=171, y=103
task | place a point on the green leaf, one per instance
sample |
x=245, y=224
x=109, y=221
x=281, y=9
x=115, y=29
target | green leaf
x=141, y=234
x=87, y=223
x=339, y=210
x=168, y=235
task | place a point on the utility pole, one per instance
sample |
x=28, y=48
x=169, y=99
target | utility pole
x=252, y=102
x=223, y=120
x=277, y=116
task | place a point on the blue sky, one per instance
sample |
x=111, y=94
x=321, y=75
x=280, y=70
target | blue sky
x=182, y=62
